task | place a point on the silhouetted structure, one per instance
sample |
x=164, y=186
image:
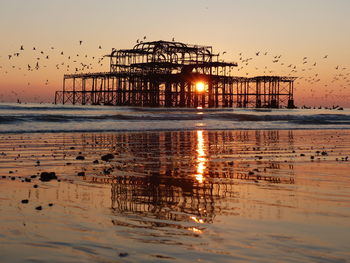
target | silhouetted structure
x=161, y=73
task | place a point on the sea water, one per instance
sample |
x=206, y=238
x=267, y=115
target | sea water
x=20, y=118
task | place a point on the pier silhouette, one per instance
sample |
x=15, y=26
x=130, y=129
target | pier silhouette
x=174, y=74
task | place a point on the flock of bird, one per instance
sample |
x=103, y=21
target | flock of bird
x=36, y=60
x=307, y=73
x=306, y=70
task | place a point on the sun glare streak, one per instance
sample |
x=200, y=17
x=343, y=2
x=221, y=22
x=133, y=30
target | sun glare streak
x=201, y=160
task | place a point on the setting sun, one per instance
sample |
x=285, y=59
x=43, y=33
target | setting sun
x=200, y=86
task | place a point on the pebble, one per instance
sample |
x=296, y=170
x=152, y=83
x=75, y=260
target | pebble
x=47, y=176
x=107, y=157
x=123, y=254
x=81, y=174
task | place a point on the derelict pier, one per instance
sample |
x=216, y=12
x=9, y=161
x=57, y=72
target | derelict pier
x=173, y=74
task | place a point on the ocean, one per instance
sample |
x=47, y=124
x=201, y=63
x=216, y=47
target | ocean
x=23, y=118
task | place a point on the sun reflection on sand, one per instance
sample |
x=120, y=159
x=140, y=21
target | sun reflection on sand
x=201, y=159
x=197, y=220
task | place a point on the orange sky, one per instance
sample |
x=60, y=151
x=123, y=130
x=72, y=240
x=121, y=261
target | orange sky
x=290, y=29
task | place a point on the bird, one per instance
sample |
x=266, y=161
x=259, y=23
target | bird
x=326, y=56
x=62, y=53
x=80, y=42
x=173, y=39
x=10, y=56
x=144, y=38
x=99, y=47
x=257, y=53
x=314, y=64
x=22, y=47
x=34, y=48
x=224, y=52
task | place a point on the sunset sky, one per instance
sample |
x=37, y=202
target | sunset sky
x=290, y=29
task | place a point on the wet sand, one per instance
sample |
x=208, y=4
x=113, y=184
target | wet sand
x=264, y=196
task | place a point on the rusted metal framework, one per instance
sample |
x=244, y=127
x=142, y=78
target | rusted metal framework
x=166, y=74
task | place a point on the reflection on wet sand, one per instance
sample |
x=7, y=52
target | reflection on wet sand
x=214, y=192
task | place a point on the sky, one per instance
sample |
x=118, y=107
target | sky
x=291, y=29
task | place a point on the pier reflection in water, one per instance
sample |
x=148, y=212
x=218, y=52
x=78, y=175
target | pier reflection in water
x=171, y=184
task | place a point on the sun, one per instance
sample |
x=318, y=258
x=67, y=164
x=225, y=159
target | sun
x=200, y=86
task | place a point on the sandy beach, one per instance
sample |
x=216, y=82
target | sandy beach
x=267, y=196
